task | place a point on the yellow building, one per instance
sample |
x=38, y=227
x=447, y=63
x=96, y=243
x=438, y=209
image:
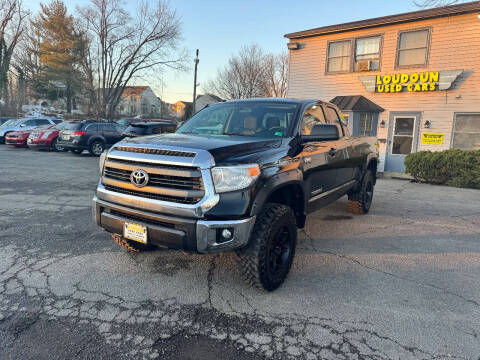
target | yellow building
x=412, y=79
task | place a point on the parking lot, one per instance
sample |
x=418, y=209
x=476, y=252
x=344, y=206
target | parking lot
x=401, y=282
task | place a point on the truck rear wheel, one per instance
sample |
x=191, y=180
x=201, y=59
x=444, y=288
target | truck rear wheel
x=266, y=261
x=359, y=202
x=132, y=246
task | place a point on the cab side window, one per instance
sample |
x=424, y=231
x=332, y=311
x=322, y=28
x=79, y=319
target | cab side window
x=333, y=118
x=312, y=116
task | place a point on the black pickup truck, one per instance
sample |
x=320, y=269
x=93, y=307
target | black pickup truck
x=240, y=175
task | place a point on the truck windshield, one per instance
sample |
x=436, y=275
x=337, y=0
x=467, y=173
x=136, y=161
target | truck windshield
x=266, y=120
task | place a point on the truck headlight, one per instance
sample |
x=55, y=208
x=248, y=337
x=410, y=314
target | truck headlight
x=101, y=162
x=231, y=178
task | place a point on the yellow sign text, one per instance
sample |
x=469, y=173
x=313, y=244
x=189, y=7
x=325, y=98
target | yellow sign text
x=414, y=82
x=432, y=138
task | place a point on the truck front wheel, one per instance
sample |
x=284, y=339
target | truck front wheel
x=132, y=246
x=359, y=202
x=266, y=261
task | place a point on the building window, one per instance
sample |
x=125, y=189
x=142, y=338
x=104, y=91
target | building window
x=339, y=56
x=365, y=124
x=466, y=135
x=367, y=54
x=413, y=48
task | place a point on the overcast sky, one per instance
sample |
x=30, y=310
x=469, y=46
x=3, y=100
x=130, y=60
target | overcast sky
x=220, y=28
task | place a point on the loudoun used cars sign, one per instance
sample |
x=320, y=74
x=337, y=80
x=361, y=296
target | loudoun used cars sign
x=411, y=82
x=424, y=81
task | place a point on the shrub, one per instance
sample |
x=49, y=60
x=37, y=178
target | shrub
x=450, y=167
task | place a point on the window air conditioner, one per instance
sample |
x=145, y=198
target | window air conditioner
x=363, y=65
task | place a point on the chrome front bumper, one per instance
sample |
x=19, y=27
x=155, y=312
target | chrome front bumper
x=165, y=230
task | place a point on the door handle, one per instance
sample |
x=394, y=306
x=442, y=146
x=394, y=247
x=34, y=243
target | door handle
x=332, y=152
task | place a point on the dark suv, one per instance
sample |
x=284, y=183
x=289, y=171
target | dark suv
x=150, y=128
x=90, y=135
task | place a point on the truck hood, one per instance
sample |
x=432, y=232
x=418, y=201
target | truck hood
x=221, y=147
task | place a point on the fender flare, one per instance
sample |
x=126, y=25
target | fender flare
x=277, y=181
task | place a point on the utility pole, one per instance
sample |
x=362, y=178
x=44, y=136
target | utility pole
x=196, y=61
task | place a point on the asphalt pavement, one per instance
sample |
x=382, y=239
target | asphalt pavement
x=399, y=283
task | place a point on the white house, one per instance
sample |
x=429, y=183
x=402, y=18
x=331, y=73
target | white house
x=203, y=100
x=139, y=100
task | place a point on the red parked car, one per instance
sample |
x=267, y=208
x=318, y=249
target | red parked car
x=17, y=138
x=46, y=138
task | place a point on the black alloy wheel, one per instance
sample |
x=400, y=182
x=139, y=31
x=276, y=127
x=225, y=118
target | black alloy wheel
x=278, y=254
x=360, y=200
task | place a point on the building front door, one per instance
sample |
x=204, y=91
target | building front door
x=402, y=140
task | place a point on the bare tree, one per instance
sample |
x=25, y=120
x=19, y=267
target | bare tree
x=425, y=4
x=12, y=25
x=122, y=47
x=276, y=71
x=243, y=77
x=251, y=73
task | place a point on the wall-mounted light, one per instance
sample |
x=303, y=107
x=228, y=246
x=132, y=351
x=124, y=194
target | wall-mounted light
x=427, y=124
x=295, y=45
x=382, y=123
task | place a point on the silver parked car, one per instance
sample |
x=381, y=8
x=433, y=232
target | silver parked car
x=25, y=124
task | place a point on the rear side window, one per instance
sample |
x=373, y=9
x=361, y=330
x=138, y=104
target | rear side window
x=91, y=127
x=108, y=127
x=333, y=118
x=57, y=121
x=31, y=122
x=43, y=122
x=61, y=126
x=73, y=126
x=137, y=130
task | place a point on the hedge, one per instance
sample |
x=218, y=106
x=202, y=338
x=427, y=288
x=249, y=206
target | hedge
x=450, y=167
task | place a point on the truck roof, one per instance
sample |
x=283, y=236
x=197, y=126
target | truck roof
x=274, y=100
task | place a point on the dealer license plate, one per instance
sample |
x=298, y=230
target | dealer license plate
x=135, y=232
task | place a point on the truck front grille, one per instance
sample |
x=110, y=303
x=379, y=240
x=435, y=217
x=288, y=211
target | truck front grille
x=173, y=183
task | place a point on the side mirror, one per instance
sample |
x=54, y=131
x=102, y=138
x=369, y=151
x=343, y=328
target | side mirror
x=322, y=132
x=22, y=125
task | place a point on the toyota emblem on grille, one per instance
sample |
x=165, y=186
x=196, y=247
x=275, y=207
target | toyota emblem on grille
x=139, y=178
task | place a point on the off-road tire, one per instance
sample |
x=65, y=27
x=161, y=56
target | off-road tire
x=95, y=147
x=360, y=201
x=76, y=151
x=132, y=246
x=253, y=260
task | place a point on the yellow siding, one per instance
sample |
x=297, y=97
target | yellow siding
x=455, y=44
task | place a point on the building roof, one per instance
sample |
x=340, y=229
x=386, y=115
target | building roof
x=356, y=103
x=214, y=97
x=134, y=90
x=437, y=12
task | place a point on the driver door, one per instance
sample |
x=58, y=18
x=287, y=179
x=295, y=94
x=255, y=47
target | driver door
x=319, y=169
